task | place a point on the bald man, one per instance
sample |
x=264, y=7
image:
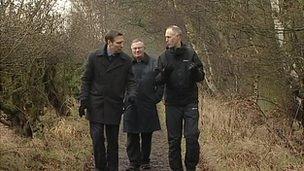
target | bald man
x=179, y=70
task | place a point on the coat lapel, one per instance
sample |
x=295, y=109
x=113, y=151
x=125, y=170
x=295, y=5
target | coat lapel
x=115, y=63
x=102, y=56
x=105, y=62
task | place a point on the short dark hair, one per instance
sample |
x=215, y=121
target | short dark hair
x=111, y=35
x=176, y=29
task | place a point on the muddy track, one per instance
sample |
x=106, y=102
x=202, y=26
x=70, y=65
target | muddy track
x=159, y=159
x=159, y=154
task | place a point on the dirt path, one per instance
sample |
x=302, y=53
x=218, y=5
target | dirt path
x=159, y=154
x=159, y=158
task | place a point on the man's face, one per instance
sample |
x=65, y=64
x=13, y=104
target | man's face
x=117, y=44
x=172, y=38
x=138, y=50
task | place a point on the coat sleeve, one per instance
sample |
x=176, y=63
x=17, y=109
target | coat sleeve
x=159, y=93
x=131, y=82
x=87, y=78
x=159, y=89
x=159, y=71
x=199, y=74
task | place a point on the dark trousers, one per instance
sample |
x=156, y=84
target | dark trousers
x=139, y=153
x=106, y=158
x=177, y=118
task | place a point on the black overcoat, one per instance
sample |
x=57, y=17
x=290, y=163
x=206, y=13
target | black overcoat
x=143, y=116
x=104, y=84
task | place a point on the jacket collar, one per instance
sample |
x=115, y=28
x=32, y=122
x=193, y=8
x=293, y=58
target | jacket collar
x=145, y=59
x=102, y=52
x=178, y=51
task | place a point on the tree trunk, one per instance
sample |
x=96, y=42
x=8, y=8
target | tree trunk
x=278, y=25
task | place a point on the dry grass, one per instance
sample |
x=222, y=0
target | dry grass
x=238, y=136
x=64, y=145
x=235, y=136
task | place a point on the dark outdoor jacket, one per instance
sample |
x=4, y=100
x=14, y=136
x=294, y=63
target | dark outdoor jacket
x=143, y=116
x=180, y=84
x=104, y=84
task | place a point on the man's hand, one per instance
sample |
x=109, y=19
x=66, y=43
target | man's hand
x=82, y=108
x=299, y=100
x=192, y=66
x=159, y=76
x=81, y=111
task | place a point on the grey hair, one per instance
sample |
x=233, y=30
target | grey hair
x=137, y=40
x=175, y=29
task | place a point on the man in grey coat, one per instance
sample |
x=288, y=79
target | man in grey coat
x=108, y=75
x=141, y=118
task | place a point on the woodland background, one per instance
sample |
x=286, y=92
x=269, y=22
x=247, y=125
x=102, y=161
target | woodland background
x=252, y=50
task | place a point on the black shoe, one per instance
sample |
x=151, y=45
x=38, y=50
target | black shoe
x=146, y=166
x=133, y=168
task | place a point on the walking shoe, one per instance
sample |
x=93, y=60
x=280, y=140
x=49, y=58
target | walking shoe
x=146, y=166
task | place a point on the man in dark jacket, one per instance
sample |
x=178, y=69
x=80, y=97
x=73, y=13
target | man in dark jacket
x=141, y=118
x=107, y=76
x=179, y=70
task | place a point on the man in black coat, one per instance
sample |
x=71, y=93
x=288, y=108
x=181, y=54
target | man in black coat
x=141, y=118
x=108, y=75
x=179, y=70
